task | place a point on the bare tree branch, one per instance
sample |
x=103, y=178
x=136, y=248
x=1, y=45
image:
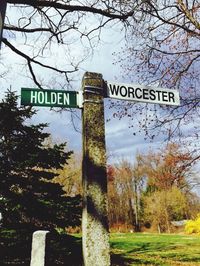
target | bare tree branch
x=72, y=8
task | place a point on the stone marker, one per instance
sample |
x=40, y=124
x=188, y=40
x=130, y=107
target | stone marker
x=38, y=248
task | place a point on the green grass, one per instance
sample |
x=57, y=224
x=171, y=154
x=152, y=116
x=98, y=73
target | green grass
x=154, y=249
x=126, y=249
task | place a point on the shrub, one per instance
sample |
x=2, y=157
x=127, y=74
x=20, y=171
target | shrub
x=193, y=226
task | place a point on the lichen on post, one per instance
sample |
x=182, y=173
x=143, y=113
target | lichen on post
x=96, y=249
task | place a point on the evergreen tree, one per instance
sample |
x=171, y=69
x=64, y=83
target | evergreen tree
x=28, y=198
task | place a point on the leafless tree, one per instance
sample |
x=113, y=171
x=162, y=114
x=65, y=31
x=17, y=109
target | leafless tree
x=162, y=47
x=166, y=54
x=34, y=29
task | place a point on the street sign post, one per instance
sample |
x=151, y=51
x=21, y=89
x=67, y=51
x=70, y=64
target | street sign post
x=2, y=16
x=96, y=249
x=95, y=233
x=50, y=98
x=141, y=93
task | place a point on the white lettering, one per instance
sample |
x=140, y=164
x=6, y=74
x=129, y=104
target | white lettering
x=33, y=96
x=53, y=98
x=46, y=98
x=59, y=98
x=40, y=97
x=66, y=98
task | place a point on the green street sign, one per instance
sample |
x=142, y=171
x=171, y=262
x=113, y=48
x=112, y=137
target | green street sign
x=50, y=98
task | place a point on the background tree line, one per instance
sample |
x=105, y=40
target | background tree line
x=149, y=194
x=154, y=191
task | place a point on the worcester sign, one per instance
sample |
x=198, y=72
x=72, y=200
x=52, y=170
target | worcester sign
x=142, y=93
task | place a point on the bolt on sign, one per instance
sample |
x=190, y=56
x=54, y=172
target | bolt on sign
x=141, y=93
x=50, y=98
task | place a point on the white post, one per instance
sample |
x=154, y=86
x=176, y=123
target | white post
x=38, y=248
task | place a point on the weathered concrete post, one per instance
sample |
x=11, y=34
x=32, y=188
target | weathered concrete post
x=38, y=248
x=96, y=250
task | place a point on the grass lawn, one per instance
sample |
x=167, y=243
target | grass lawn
x=154, y=249
x=126, y=249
